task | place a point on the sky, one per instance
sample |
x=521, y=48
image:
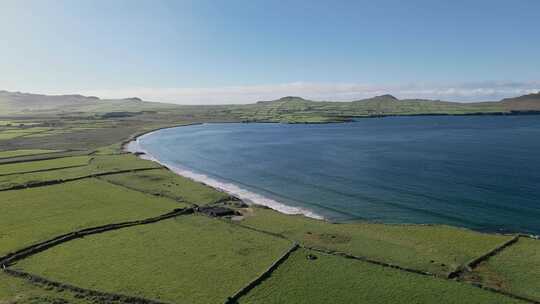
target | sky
x=240, y=51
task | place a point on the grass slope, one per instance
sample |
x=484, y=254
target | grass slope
x=120, y=162
x=166, y=183
x=436, y=249
x=44, y=165
x=287, y=109
x=188, y=259
x=11, y=133
x=19, y=291
x=41, y=156
x=515, y=269
x=98, y=164
x=331, y=279
x=32, y=215
x=27, y=152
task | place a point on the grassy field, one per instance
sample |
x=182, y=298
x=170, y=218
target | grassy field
x=97, y=165
x=33, y=215
x=436, y=249
x=166, y=183
x=14, y=123
x=19, y=291
x=10, y=135
x=331, y=279
x=79, y=134
x=188, y=259
x=516, y=269
x=42, y=156
x=120, y=162
x=17, y=153
x=6, y=169
x=14, y=132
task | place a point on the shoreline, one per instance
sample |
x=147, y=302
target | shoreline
x=133, y=146
x=348, y=119
x=203, y=179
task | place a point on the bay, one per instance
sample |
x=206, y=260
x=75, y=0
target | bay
x=480, y=172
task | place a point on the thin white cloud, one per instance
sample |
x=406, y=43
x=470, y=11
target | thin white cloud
x=463, y=92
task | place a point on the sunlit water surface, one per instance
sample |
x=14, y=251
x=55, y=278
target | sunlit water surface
x=481, y=172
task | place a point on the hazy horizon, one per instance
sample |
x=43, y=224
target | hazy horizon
x=215, y=98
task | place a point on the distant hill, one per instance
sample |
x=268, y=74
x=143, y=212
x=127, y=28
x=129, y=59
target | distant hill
x=298, y=109
x=530, y=102
x=386, y=97
x=36, y=102
x=27, y=103
x=290, y=101
x=285, y=109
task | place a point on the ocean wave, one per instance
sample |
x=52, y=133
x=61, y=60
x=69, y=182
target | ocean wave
x=230, y=188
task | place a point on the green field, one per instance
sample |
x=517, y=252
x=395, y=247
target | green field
x=188, y=259
x=10, y=123
x=97, y=165
x=33, y=215
x=516, y=269
x=6, y=169
x=331, y=279
x=4, y=123
x=19, y=291
x=436, y=249
x=11, y=133
x=5, y=135
x=60, y=131
x=40, y=156
x=120, y=162
x=166, y=183
x=14, y=153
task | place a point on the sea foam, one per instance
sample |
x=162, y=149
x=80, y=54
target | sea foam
x=230, y=188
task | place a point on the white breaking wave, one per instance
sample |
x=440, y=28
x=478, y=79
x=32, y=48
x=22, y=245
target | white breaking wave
x=243, y=194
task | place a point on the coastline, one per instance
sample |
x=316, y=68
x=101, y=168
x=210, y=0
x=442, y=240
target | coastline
x=133, y=146
x=134, y=137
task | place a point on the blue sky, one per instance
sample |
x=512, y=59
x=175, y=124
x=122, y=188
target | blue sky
x=240, y=51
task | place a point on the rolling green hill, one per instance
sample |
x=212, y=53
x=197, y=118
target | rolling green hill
x=16, y=103
x=289, y=109
x=296, y=109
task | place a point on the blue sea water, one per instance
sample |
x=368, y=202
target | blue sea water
x=480, y=172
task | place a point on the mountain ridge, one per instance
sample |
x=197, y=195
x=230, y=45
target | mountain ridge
x=284, y=108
